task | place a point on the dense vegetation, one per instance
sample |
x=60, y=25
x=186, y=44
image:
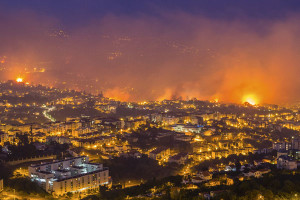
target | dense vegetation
x=25, y=149
x=277, y=185
x=250, y=158
x=125, y=169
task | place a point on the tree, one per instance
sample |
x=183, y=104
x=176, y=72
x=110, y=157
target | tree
x=268, y=195
x=23, y=139
x=238, y=166
x=288, y=186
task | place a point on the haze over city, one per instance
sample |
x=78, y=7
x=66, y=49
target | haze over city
x=142, y=51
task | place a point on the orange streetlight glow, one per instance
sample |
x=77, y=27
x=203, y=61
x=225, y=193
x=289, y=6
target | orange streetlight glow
x=19, y=80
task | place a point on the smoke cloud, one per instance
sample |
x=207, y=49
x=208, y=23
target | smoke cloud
x=176, y=55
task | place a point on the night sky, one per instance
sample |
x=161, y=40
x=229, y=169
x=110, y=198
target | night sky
x=139, y=50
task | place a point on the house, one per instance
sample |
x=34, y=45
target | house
x=212, y=183
x=250, y=173
x=205, y=175
x=180, y=158
x=196, y=179
x=240, y=177
x=230, y=168
x=282, y=153
x=257, y=174
x=257, y=162
x=132, y=153
x=160, y=154
x=213, y=169
x=39, y=137
x=229, y=181
x=264, y=171
x=3, y=138
x=282, y=146
x=286, y=162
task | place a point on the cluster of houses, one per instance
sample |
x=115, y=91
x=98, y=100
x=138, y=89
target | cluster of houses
x=216, y=176
x=288, y=154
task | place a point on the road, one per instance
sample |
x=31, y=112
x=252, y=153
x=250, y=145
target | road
x=46, y=112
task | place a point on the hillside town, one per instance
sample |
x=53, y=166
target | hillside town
x=206, y=143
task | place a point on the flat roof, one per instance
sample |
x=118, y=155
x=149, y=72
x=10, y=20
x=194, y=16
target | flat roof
x=44, y=172
x=80, y=175
x=58, y=161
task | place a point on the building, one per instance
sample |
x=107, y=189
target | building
x=264, y=171
x=286, y=162
x=252, y=173
x=160, y=154
x=69, y=175
x=205, y=175
x=187, y=128
x=180, y=158
x=296, y=144
x=170, y=120
x=282, y=153
x=278, y=146
x=3, y=138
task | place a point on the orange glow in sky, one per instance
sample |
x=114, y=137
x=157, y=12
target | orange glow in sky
x=252, y=99
x=19, y=80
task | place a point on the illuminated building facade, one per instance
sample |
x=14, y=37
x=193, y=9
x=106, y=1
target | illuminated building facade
x=3, y=138
x=286, y=162
x=69, y=175
x=187, y=128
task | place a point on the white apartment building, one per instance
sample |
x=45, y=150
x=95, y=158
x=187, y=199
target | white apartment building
x=286, y=162
x=69, y=175
x=187, y=128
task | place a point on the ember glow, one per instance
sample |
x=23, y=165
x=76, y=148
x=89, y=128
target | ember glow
x=251, y=99
x=19, y=80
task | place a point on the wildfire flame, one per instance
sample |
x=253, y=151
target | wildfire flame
x=251, y=99
x=19, y=80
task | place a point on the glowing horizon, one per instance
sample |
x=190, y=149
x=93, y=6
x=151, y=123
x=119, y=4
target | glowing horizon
x=145, y=58
x=251, y=99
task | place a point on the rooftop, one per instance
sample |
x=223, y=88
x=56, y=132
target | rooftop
x=58, y=161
